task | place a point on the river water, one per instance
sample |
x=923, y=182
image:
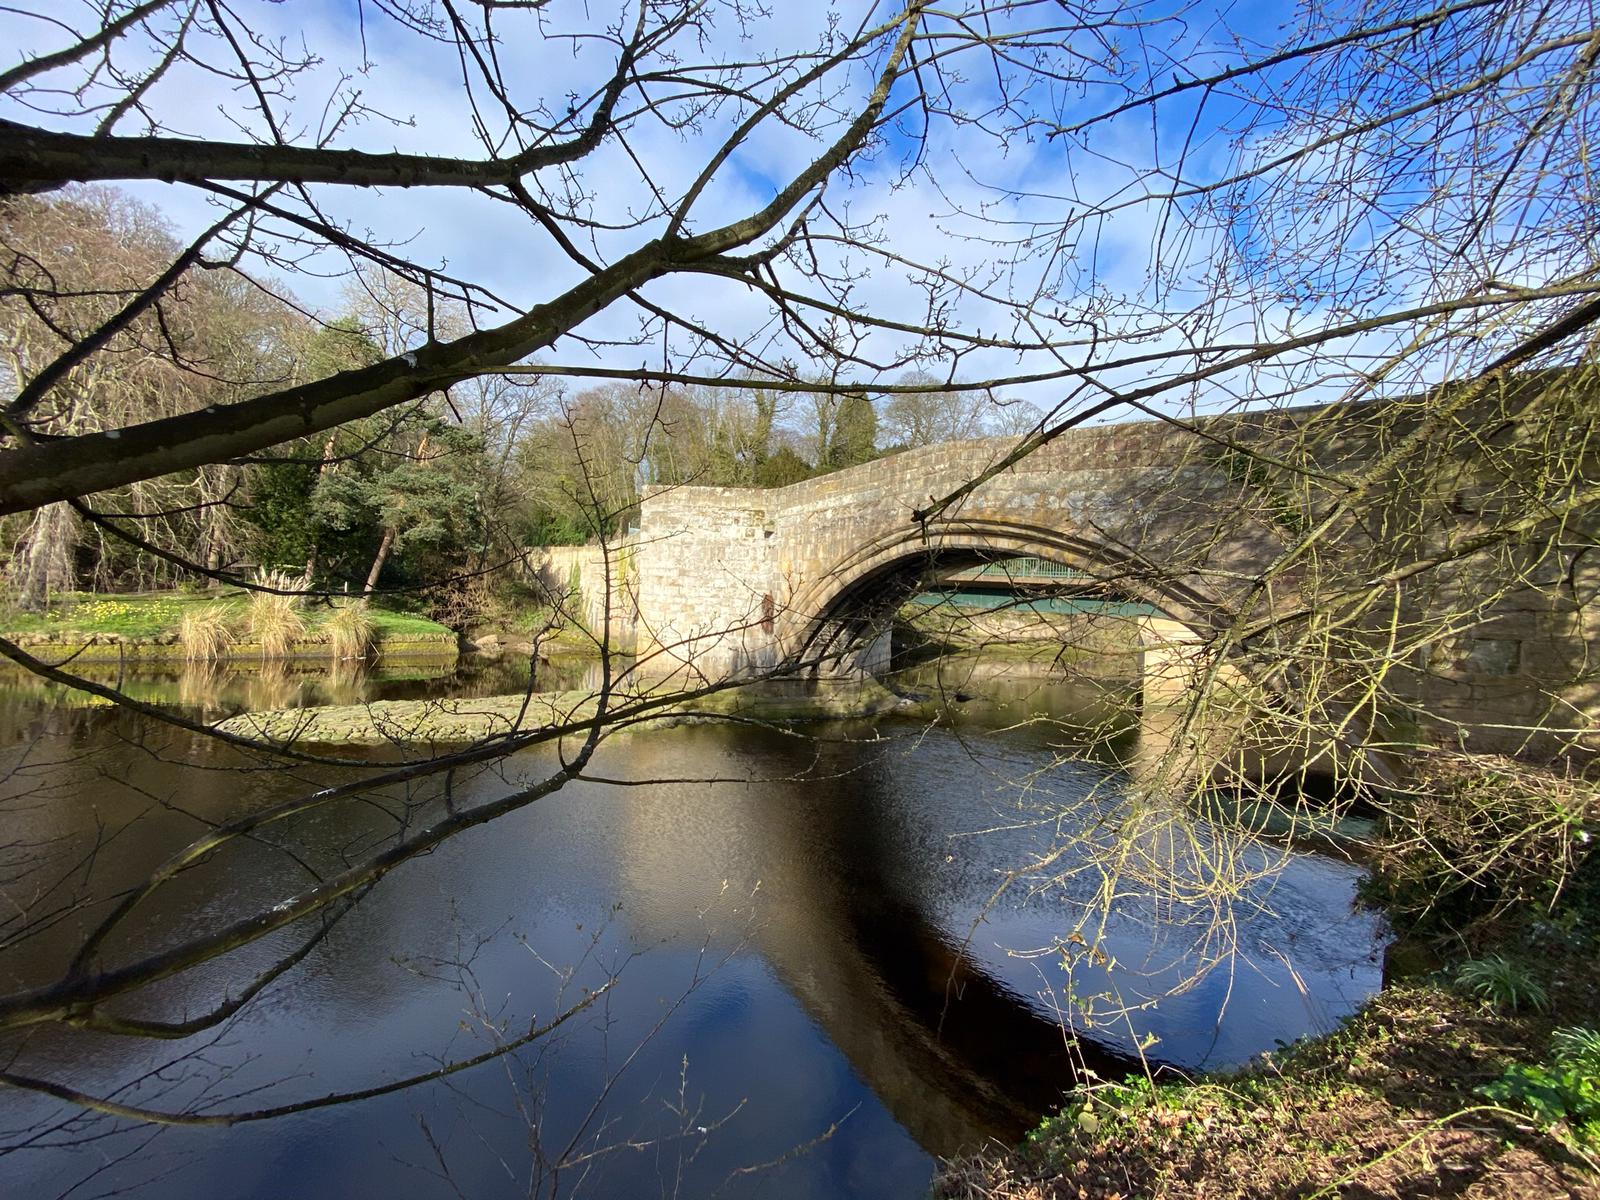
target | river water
x=822, y=956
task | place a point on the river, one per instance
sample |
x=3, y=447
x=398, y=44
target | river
x=823, y=956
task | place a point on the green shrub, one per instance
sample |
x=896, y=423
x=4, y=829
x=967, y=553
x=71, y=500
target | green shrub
x=1502, y=982
x=1563, y=1095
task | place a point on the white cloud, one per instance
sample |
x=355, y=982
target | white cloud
x=1013, y=214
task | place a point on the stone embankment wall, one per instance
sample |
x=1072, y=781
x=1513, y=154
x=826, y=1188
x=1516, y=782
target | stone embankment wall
x=1090, y=644
x=113, y=648
x=574, y=578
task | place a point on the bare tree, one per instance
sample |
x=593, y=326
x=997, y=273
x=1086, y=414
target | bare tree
x=212, y=340
x=922, y=418
x=1391, y=205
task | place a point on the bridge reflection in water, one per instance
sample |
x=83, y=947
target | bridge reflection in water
x=875, y=906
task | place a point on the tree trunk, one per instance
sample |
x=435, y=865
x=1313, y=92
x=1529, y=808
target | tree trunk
x=217, y=537
x=377, y=564
x=384, y=546
x=45, y=564
x=322, y=469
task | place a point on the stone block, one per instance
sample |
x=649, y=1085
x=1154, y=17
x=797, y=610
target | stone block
x=1491, y=656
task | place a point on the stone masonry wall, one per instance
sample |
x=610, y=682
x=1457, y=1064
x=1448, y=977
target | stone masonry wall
x=708, y=580
x=744, y=577
x=575, y=577
x=730, y=580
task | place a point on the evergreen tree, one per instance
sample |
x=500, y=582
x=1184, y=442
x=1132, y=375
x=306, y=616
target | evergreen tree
x=782, y=468
x=414, y=502
x=854, y=435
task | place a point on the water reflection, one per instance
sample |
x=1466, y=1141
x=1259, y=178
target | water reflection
x=818, y=940
x=882, y=859
x=218, y=690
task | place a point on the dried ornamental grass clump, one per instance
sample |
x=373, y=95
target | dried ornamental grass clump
x=350, y=631
x=204, y=635
x=274, y=617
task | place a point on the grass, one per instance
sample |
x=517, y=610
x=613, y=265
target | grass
x=204, y=634
x=1503, y=982
x=402, y=625
x=141, y=616
x=1578, y=1046
x=1561, y=1092
x=159, y=616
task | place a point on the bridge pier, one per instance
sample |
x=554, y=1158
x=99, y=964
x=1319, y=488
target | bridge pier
x=857, y=657
x=1172, y=660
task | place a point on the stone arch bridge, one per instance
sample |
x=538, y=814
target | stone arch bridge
x=724, y=582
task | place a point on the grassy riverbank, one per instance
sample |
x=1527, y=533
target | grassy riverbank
x=146, y=625
x=1461, y=1083
x=1087, y=645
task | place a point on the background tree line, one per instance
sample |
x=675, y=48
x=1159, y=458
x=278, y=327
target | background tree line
x=1134, y=212
x=579, y=470
x=458, y=480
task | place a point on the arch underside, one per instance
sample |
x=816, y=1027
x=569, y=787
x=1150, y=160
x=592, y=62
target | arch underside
x=855, y=598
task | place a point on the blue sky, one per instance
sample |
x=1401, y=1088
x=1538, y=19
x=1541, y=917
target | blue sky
x=978, y=189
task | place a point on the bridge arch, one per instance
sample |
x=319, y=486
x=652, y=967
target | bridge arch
x=851, y=601
x=726, y=583
x=735, y=581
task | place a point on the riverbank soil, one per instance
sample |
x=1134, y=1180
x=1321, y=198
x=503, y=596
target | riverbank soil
x=1391, y=1105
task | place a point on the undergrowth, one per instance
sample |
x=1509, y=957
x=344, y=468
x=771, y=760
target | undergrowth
x=1562, y=1093
x=1478, y=837
x=1425, y=1092
x=1481, y=1080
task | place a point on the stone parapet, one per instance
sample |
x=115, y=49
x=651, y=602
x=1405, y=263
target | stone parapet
x=1205, y=522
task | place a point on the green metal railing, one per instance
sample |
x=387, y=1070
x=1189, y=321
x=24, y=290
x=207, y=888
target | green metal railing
x=977, y=601
x=1022, y=568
